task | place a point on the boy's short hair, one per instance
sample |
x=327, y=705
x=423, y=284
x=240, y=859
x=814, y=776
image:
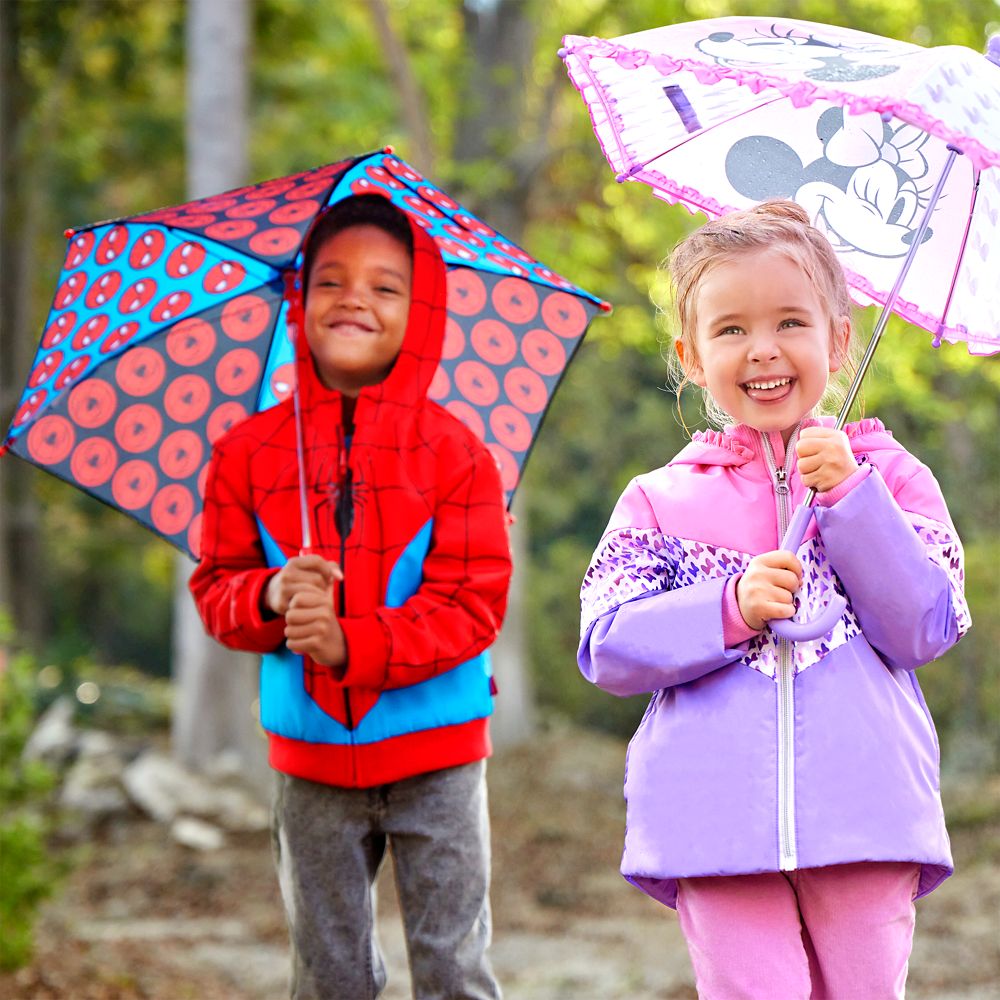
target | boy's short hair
x=358, y=210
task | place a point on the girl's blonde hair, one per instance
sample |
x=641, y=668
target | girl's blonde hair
x=776, y=224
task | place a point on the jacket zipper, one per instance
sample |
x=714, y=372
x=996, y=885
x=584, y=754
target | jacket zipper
x=345, y=501
x=787, y=853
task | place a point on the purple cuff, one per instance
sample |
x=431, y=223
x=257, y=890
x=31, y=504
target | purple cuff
x=734, y=629
x=830, y=497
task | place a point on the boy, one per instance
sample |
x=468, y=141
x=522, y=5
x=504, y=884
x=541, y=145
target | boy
x=375, y=688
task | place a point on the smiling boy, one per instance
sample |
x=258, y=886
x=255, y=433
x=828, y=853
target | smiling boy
x=375, y=686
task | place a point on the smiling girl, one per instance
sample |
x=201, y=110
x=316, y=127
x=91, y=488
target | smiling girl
x=783, y=797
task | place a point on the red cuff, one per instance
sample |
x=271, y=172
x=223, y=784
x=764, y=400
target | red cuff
x=734, y=629
x=830, y=497
x=248, y=610
x=367, y=652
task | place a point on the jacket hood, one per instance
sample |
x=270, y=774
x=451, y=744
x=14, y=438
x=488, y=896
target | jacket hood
x=410, y=377
x=739, y=444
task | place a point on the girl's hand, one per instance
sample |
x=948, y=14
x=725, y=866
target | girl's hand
x=312, y=629
x=825, y=458
x=300, y=573
x=765, y=589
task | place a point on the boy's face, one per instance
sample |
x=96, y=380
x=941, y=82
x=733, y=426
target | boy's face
x=357, y=307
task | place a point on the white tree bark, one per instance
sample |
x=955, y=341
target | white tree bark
x=216, y=690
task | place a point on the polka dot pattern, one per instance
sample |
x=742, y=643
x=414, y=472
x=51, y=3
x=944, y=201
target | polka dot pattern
x=507, y=343
x=138, y=433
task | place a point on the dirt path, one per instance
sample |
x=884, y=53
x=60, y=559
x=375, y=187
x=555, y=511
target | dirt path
x=142, y=917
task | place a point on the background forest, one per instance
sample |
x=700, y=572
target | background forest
x=94, y=126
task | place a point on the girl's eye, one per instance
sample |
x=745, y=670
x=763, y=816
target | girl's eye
x=790, y=322
x=730, y=330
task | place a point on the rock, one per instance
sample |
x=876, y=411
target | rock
x=53, y=739
x=197, y=834
x=165, y=789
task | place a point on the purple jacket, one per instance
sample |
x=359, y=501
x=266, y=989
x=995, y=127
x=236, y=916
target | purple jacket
x=772, y=756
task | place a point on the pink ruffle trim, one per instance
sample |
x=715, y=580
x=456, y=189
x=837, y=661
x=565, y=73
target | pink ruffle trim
x=801, y=93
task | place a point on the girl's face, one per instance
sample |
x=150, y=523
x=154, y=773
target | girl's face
x=357, y=307
x=764, y=343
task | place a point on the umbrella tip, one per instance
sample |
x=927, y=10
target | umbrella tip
x=993, y=50
x=69, y=233
x=389, y=150
x=606, y=307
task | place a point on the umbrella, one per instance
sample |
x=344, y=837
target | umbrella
x=892, y=148
x=168, y=327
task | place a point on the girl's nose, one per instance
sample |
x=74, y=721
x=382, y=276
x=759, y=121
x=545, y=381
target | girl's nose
x=763, y=347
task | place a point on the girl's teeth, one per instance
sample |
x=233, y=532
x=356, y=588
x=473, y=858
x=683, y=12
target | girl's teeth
x=773, y=384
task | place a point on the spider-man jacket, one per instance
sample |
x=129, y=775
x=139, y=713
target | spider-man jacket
x=426, y=565
x=768, y=755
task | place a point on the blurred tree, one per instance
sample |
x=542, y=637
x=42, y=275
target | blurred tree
x=216, y=688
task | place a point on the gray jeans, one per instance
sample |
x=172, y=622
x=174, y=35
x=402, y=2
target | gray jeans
x=329, y=843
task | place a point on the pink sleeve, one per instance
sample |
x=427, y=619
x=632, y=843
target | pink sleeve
x=830, y=497
x=734, y=629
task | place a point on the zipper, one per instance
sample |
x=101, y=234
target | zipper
x=344, y=517
x=787, y=852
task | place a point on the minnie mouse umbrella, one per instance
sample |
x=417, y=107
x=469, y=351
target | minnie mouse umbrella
x=169, y=327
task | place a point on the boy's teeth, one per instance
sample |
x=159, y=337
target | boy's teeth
x=771, y=384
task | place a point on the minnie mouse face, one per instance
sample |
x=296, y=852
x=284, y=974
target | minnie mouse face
x=866, y=191
x=814, y=58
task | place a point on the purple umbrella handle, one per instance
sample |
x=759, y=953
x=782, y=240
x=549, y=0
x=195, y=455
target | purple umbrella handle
x=830, y=615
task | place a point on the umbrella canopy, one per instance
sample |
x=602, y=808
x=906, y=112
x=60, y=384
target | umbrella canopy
x=167, y=328
x=720, y=114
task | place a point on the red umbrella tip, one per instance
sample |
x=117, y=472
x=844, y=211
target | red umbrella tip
x=69, y=233
x=389, y=149
x=607, y=307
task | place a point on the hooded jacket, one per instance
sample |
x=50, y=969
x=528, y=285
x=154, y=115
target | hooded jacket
x=771, y=755
x=425, y=556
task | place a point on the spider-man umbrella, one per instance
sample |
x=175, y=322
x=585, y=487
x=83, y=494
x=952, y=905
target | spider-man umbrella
x=167, y=328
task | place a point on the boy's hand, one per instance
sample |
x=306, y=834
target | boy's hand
x=312, y=629
x=825, y=458
x=300, y=573
x=765, y=589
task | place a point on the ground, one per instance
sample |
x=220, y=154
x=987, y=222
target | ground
x=139, y=916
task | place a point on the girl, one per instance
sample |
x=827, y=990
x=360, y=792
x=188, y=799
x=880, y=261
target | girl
x=783, y=797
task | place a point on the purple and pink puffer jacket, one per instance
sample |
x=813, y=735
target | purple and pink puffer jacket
x=771, y=755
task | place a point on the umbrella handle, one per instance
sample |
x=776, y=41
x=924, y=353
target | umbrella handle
x=830, y=615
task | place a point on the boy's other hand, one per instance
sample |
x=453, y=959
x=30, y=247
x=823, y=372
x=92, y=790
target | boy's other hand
x=312, y=629
x=309, y=572
x=765, y=589
x=825, y=458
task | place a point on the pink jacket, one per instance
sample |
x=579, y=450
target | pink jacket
x=769, y=755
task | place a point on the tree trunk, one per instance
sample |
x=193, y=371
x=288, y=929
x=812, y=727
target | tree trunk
x=498, y=40
x=21, y=585
x=216, y=688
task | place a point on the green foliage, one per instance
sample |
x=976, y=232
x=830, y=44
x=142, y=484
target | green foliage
x=26, y=872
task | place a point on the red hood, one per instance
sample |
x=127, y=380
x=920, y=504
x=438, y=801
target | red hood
x=408, y=381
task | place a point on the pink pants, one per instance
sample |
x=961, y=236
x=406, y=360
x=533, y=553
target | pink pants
x=837, y=933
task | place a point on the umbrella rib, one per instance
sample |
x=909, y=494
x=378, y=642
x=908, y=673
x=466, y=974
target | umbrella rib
x=637, y=167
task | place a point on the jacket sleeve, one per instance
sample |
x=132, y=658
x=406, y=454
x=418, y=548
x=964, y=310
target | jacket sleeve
x=459, y=606
x=232, y=571
x=901, y=563
x=641, y=628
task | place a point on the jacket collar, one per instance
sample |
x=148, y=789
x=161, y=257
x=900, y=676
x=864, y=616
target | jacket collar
x=739, y=444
